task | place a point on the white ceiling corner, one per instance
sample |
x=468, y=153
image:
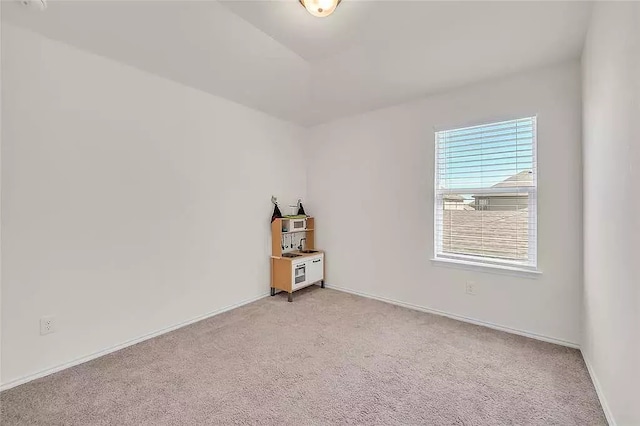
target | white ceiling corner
x=275, y=57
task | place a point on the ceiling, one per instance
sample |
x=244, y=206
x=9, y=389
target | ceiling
x=275, y=57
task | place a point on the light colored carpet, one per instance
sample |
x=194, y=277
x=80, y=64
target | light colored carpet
x=327, y=358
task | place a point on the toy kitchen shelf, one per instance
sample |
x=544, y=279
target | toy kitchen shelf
x=295, y=263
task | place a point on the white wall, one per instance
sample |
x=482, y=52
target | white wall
x=129, y=203
x=611, y=220
x=371, y=188
x=0, y=195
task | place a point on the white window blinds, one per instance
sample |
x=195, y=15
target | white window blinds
x=486, y=192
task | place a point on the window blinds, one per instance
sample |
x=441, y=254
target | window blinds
x=486, y=192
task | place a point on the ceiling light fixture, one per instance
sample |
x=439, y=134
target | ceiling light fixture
x=34, y=4
x=320, y=8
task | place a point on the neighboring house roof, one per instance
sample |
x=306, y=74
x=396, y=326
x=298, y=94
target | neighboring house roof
x=453, y=197
x=524, y=178
x=503, y=194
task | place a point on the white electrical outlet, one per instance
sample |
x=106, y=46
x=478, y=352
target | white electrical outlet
x=47, y=325
x=470, y=288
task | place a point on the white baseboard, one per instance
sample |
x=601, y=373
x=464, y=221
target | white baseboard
x=603, y=401
x=461, y=318
x=81, y=360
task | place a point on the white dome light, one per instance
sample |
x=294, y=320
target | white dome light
x=320, y=8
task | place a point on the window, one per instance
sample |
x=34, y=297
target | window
x=491, y=170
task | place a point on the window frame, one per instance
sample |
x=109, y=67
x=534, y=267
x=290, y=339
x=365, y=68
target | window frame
x=485, y=262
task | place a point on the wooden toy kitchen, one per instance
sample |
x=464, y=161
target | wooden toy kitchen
x=295, y=262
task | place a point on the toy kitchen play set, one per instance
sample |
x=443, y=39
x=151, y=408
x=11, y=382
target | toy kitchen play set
x=295, y=262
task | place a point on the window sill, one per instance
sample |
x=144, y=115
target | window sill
x=486, y=267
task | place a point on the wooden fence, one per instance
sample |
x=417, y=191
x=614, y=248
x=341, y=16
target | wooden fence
x=501, y=234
